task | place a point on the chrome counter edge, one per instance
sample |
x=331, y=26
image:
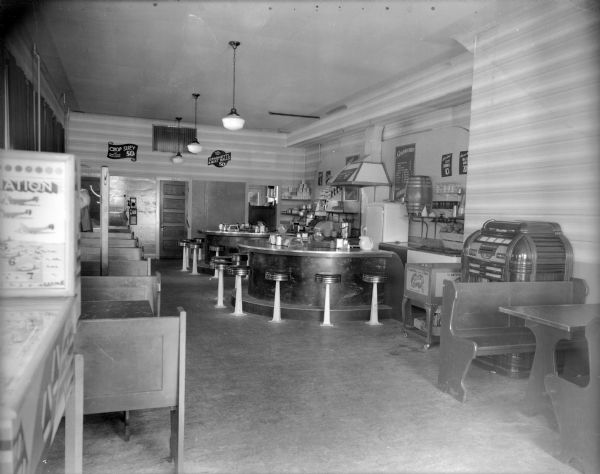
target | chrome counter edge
x=283, y=250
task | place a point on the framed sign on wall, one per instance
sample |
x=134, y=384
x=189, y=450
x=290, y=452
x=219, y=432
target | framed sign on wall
x=39, y=223
x=405, y=167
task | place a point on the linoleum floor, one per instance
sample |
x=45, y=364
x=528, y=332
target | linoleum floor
x=296, y=397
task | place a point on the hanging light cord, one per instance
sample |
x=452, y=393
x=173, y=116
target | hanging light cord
x=234, y=45
x=196, y=95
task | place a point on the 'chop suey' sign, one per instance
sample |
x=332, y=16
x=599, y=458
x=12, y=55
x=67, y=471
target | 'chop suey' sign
x=117, y=152
x=219, y=158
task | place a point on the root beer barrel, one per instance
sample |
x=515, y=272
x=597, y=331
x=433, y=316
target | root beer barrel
x=419, y=193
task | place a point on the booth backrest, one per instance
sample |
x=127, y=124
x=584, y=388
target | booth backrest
x=472, y=306
x=123, y=288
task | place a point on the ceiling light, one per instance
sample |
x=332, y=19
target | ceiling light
x=195, y=147
x=233, y=121
x=178, y=159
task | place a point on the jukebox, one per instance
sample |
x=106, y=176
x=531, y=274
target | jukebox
x=516, y=251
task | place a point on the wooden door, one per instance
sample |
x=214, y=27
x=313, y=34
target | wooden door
x=173, y=217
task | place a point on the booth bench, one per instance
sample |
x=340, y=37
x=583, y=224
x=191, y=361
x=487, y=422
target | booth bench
x=473, y=326
x=134, y=358
x=119, y=267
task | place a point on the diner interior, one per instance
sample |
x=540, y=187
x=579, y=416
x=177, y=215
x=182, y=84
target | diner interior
x=319, y=237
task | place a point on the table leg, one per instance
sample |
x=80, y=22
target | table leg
x=544, y=362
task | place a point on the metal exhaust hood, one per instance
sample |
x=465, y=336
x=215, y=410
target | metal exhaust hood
x=363, y=172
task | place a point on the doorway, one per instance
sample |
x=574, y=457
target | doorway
x=173, y=217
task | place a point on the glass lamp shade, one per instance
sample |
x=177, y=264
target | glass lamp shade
x=177, y=159
x=233, y=121
x=194, y=147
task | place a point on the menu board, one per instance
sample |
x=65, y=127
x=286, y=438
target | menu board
x=37, y=218
x=405, y=166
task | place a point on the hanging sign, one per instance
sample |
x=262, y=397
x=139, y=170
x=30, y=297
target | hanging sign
x=463, y=161
x=446, y=165
x=117, y=152
x=219, y=158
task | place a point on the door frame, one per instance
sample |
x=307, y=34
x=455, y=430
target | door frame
x=188, y=208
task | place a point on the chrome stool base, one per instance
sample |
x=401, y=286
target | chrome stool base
x=328, y=279
x=239, y=272
x=369, y=278
x=277, y=276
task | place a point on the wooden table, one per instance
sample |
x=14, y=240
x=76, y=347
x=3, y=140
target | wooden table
x=106, y=309
x=576, y=406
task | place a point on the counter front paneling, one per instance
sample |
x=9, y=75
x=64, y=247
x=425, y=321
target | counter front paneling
x=303, y=298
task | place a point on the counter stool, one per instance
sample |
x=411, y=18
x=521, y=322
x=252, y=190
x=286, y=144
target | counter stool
x=217, y=249
x=184, y=244
x=277, y=276
x=328, y=279
x=220, y=264
x=200, y=242
x=194, y=246
x=239, y=271
x=373, y=278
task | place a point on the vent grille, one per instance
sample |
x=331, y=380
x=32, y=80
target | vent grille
x=165, y=138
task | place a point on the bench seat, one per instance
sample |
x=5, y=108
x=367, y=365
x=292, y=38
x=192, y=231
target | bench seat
x=497, y=341
x=473, y=326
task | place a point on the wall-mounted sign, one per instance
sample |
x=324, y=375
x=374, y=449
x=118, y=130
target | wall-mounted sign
x=463, y=162
x=352, y=159
x=117, y=152
x=219, y=158
x=446, y=165
x=405, y=165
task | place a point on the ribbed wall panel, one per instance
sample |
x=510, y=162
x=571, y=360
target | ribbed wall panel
x=533, y=152
x=257, y=157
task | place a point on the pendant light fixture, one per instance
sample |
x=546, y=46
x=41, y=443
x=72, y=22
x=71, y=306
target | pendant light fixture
x=178, y=159
x=233, y=121
x=195, y=147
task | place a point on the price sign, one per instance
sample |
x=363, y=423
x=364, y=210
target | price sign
x=405, y=165
x=463, y=161
x=219, y=158
x=117, y=152
x=446, y=165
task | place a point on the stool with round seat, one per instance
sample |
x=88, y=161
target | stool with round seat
x=244, y=259
x=328, y=279
x=194, y=246
x=220, y=264
x=374, y=278
x=199, y=241
x=184, y=244
x=238, y=271
x=277, y=276
x=217, y=249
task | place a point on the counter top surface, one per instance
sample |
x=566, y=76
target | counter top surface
x=266, y=247
x=421, y=248
x=236, y=233
x=29, y=327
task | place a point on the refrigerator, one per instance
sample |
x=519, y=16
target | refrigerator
x=386, y=222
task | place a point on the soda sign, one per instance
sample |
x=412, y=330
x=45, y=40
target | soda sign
x=219, y=158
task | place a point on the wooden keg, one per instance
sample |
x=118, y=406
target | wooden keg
x=419, y=194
